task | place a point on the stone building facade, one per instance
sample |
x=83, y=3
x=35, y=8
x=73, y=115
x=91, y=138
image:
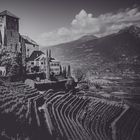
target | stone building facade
x=9, y=28
x=30, y=45
x=44, y=62
x=11, y=40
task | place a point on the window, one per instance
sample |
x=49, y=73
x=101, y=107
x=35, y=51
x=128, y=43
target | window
x=56, y=69
x=32, y=63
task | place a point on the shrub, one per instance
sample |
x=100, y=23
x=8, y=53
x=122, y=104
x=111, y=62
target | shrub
x=70, y=84
x=12, y=62
x=83, y=86
x=79, y=74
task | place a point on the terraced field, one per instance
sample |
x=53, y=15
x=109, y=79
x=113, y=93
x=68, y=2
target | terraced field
x=26, y=114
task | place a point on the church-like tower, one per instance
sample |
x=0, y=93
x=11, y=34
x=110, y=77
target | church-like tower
x=9, y=30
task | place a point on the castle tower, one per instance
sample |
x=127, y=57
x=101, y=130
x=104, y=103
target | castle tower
x=9, y=28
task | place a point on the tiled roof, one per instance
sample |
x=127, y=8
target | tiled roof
x=29, y=40
x=34, y=55
x=7, y=13
x=43, y=56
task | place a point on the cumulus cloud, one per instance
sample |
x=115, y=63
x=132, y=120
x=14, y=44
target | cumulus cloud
x=85, y=23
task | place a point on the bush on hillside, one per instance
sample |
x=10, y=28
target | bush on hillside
x=79, y=74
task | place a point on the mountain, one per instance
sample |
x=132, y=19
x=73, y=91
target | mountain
x=113, y=53
x=87, y=37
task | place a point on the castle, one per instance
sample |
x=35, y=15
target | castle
x=33, y=59
x=10, y=38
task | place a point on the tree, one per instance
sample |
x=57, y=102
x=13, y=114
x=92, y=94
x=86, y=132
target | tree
x=60, y=70
x=64, y=73
x=70, y=84
x=79, y=74
x=12, y=62
x=69, y=71
x=14, y=69
x=6, y=60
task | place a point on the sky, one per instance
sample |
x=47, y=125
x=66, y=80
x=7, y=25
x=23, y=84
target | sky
x=51, y=22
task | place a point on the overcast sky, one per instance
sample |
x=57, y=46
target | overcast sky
x=52, y=22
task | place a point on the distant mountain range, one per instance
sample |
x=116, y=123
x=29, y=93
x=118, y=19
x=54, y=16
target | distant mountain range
x=118, y=52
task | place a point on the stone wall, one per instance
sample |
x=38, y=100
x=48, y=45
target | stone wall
x=12, y=38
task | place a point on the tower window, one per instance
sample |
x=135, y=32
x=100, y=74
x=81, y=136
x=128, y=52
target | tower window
x=11, y=34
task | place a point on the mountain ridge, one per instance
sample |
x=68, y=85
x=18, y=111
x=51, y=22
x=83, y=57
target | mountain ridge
x=109, y=52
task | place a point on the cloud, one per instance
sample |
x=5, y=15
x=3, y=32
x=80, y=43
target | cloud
x=85, y=23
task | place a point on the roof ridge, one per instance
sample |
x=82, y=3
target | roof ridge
x=35, y=54
x=29, y=40
x=8, y=13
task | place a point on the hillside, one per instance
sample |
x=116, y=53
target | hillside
x=113, y=53
x=25, y=114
